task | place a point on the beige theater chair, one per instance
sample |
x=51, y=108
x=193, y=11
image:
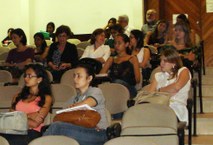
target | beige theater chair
x=54, y=140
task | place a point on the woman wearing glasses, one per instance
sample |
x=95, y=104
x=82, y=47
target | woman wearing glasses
x=35, y=100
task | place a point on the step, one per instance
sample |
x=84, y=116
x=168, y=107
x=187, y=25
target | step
x=209, y=70
x=207, y=90
x=201, y=140
x=207, y=79
x=207, y=104
x=205, y=124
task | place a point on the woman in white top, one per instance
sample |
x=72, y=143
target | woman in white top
x=142, y=53
x=174, y=79
x=97, y=49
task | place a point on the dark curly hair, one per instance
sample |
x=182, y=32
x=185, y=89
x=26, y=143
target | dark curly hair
x=43, y=87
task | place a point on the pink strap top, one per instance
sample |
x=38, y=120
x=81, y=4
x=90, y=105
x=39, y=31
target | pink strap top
x=30, y=107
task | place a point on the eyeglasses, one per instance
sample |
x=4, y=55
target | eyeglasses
x=29, y=76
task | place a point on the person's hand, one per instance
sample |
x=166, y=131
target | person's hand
x=64, y=66
x=36, y=116
x=54, y=67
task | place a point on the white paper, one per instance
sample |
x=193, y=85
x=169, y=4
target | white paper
x=81, y=107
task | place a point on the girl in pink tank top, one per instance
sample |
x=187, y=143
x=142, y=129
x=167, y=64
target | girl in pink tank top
x=35, y=100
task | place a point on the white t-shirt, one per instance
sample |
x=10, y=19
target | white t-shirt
x=102, y=51
x=178, y=101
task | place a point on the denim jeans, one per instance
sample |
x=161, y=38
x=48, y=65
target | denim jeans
x=132, y=89
x=84, y=136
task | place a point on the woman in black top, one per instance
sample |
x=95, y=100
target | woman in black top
x=124, y=68
x=62, y=54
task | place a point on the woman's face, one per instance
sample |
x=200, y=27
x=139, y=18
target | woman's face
x=16, y=39
x=179, y=33
x=120, y=45
x=50, y=29
x=62, y=38
x=31, y=79
x=162, y=27
x=133, y=41
x=165, y=65
x=38, y=41
x=100, y=39
x=81, y=78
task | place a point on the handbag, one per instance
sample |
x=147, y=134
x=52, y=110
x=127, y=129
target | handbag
x=153, y=97
x=13, y=123
x=84, y=118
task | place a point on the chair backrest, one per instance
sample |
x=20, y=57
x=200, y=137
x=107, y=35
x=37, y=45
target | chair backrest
x=5, y=77
x=130, y=141
x=62, y=93
x=6, y=95
x=149, y=119
x=54, y=140
x=21, y=79
x=11, y=45
x=80, y=52
x=67, y=78
x=3, y=56
x=83, y=44
x=157, y=69
x=3, y=141
x=74, y=41
x=116, y=96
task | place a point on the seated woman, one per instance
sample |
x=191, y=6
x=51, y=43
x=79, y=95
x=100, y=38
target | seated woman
x=174, y=79
x=62, y=55
x=158, y=37
x=83, y=77
x=41, y=50
x=111, y=22
x=35, y=100
x=7, y=40
x=50, y=29
x=97, y=49
x=123, y=68
x=142, y=53
x=114, y=30
x=183, y=45
x=21, y=55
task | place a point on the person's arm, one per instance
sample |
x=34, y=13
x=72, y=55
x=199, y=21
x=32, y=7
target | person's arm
x=22, y=64
x=35, y=119
x=45, y=53
x=89, y=101
x=146, y=58
x=183, y=78
x=153, y=85
x=107, y=65
x=134, y=61
x=147, y=37
x=86, y=52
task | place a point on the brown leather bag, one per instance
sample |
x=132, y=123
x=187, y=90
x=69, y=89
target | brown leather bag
x=85, y=118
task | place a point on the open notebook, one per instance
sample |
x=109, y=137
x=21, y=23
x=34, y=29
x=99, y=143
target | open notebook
x=81, y=107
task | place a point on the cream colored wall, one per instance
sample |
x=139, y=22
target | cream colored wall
x=83, y=16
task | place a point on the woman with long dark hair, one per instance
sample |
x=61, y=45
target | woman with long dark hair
x=124, y=67
x=35, y=100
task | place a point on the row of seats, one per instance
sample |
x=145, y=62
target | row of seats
x=153, y=124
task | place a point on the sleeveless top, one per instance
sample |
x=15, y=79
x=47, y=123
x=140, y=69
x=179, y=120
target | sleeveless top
x=178, y=101
x=154, y=40
x=30, y=107
x=123, y=71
